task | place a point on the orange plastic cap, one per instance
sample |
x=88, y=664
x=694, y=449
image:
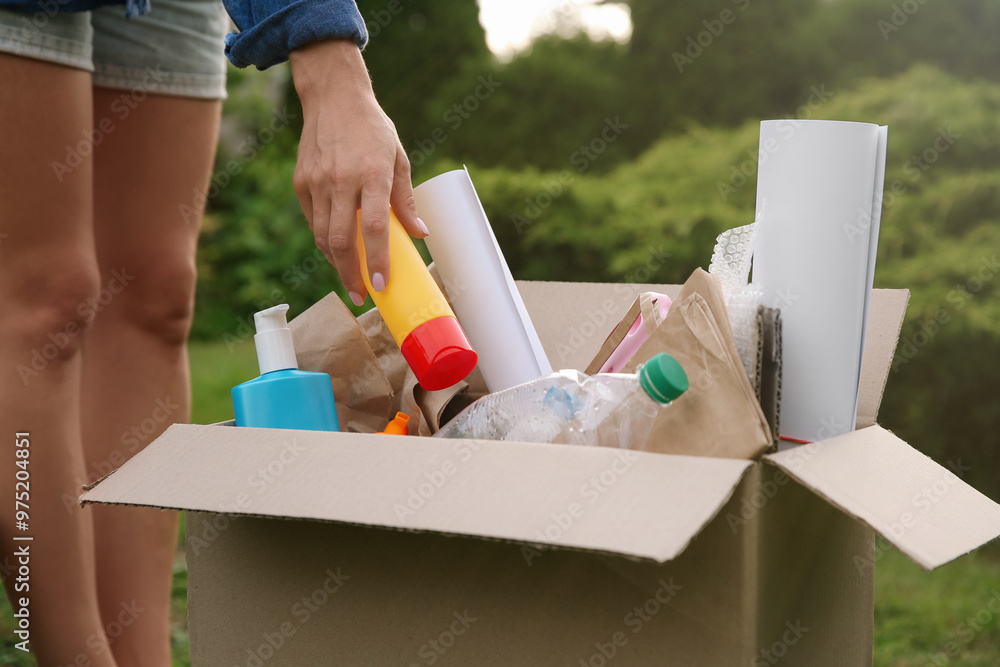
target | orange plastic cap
x=399, y=425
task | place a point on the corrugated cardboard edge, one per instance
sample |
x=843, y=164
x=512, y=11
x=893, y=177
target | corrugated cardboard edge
x=614, y=339
x=443, y=533
x=751, y=569
x=917, y=505
x=758, y=360
x=771, y=372
x=87, y=487
x=371, y=474
x=884, y=324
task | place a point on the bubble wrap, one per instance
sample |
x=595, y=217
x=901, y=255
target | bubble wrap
x=731, y=263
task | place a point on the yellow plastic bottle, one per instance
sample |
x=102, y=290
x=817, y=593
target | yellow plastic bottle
x=418, y=315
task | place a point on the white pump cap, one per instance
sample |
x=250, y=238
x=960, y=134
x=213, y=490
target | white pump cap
x=275, y=349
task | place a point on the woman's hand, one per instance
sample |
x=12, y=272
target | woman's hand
x=349, y=158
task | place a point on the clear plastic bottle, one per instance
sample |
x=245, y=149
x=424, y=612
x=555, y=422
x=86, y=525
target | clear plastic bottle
x=569, y=407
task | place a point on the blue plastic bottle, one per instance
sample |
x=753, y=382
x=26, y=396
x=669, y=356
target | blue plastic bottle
x=283, y=396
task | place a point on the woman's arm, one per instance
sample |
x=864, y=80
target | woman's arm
x=349, y=156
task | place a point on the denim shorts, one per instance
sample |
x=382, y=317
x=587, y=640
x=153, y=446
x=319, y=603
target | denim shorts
x=176, y=49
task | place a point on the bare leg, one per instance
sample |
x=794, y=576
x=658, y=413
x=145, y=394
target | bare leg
x=48, y=272
x=135, y=379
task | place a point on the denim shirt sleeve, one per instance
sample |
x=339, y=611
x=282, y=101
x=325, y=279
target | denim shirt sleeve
x=270, y=29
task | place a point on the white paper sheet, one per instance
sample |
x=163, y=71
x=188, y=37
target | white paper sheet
x=883, y=144
x=478, y=281
x=819, y=204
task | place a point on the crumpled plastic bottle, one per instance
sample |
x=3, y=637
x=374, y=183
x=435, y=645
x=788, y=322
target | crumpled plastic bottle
x=570, y=407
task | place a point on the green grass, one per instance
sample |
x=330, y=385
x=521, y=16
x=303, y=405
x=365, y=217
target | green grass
x=920, y=617
x=215, y=369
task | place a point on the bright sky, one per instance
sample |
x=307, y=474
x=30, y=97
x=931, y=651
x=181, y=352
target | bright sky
x=512, y=24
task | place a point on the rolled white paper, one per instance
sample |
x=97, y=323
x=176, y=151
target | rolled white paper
x=819, y=201
x=478, y=281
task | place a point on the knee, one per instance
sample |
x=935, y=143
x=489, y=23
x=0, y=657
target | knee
x=161, y=303
x=56, y=312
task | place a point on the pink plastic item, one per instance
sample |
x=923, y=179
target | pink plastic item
x=636, y=336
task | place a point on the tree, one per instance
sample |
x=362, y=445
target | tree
x=539, y=108
x=416, y=48
x=715, y=62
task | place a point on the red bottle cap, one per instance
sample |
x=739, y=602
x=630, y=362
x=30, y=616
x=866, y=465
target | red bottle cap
x=439, y=353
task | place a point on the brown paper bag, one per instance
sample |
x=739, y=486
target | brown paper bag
x=719, y=415
x=371, y=379
x=329, y=339
x=643, y=305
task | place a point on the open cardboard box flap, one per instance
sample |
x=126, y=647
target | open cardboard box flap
x=547, y=494
x=919, y=506
x=520, y=492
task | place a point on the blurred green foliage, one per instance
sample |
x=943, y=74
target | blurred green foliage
x=603, y=161
x=540, y=107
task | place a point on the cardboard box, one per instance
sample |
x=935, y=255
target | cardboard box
x=310, y=548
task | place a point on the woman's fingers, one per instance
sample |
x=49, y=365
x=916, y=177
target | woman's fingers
x=401, y=197
x=375, y=227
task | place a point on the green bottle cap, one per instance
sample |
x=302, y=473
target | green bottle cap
x=663, y=378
